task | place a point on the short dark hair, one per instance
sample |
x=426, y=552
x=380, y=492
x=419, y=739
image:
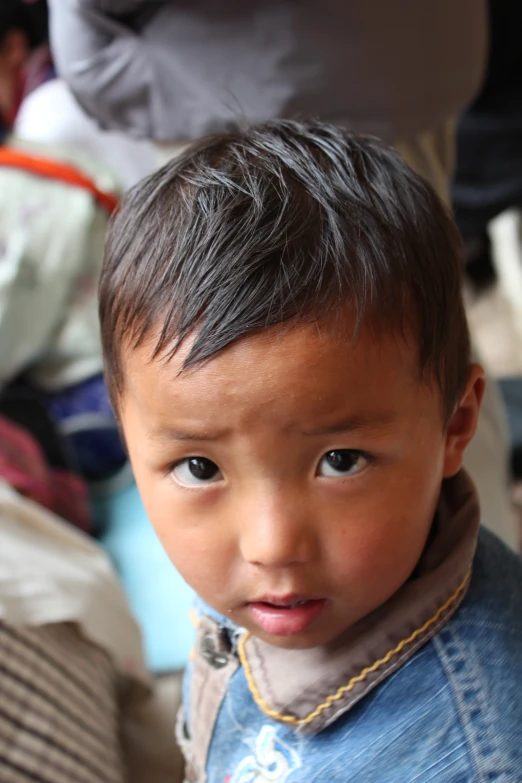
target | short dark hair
x=283, y=221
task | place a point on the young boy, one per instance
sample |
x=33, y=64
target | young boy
x=287, y=350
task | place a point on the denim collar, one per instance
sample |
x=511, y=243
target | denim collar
x=308, y=690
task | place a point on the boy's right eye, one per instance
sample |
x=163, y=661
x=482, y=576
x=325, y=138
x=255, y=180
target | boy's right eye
x=196, y=472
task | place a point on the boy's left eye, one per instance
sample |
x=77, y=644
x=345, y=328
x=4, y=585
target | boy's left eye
x=196, y=472
x=342, y=462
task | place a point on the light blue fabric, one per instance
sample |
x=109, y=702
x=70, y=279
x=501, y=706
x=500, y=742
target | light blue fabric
x=450, y=714
x=158, y=596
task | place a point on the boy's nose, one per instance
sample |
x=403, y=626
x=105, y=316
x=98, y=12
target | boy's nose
x=276, y=532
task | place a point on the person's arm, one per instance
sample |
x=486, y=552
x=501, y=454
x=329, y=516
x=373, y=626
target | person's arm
x=107, y=65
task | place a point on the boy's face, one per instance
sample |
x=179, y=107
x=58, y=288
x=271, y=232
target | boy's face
x=293, y=479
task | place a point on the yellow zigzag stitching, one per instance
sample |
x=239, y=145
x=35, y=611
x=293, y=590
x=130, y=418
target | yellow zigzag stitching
x=355, y=680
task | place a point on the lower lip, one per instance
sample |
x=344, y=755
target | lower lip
x=278, y=621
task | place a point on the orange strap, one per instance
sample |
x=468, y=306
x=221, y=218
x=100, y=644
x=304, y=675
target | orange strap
x=63, y=172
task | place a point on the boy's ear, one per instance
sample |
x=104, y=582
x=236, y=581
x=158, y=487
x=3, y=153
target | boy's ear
x=463, y=422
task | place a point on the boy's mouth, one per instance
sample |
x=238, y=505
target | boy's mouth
x=287, y=615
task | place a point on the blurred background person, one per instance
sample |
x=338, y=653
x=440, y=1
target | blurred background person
x=488, y=176
x=25, y=57
x=173, y=71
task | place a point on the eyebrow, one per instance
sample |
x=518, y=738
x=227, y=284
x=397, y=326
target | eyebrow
x=167, y=435
x=369, y=421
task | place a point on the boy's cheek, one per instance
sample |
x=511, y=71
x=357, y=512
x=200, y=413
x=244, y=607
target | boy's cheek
x=201, y=553
x=208, y=569
x=374, y=549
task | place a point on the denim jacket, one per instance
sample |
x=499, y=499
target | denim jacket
x=428, y=688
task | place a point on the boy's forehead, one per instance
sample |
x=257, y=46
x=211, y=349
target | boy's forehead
x=266, y=351
x=304, y=369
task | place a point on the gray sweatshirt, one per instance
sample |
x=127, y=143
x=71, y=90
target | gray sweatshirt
x=174, y=70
